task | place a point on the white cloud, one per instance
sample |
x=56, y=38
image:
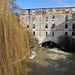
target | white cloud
x=60, y=2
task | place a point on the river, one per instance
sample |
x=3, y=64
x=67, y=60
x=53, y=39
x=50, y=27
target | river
x=51, y=62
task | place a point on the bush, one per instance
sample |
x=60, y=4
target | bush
x=33, y=41
x=66, y=43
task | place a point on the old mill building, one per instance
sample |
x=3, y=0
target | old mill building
x=49, y=23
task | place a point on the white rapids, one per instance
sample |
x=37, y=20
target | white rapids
x=33, y=54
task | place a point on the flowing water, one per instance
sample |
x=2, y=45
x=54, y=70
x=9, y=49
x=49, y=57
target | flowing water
x=51, y=62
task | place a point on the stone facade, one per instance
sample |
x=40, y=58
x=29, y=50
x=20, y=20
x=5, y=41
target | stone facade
x=49, y=23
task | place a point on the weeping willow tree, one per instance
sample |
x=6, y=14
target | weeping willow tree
x=14, y=45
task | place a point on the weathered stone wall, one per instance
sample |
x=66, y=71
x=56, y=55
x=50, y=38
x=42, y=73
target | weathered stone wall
x=43, y=17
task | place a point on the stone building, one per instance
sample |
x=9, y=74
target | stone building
x=49, y=23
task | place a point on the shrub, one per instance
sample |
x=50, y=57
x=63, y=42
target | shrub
x=66, y=43
x=33, y=41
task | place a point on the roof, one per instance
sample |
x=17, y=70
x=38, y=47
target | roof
x=48, y=8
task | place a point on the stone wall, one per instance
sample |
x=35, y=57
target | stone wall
x=48, y=23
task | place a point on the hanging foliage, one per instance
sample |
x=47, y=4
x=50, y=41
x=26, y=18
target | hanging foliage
x=14, y=46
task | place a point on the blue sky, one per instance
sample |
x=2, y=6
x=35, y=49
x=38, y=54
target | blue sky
x=27, y=4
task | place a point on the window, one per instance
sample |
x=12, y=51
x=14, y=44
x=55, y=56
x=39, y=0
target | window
x=73, y=17
x=53, y=18
x=73, y=9
x=34, y=33
x=53, y=26
x=39, y=12
x=66, y=18
x=46, y=33
x=46, y=11
x=33, y=19
x=33, y=25
x=43, y=13
x=46, y=18
x=66, y=33
x=53, y=10
x=33, y=11
x=73, y=26
x=52, y=33
x=27, y=26
x=66, y=25
x=73, y=33
x=46, y=26
x=27, y=11
x=67, y=10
